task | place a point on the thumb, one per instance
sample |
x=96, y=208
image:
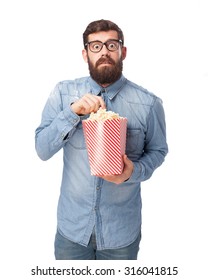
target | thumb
x=125, y=159
x=127, y=162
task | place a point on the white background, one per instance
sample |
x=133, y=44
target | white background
x=41, y=43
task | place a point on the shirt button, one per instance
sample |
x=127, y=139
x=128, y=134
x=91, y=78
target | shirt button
x=97, y=188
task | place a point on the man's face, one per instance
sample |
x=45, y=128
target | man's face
x=105, y=66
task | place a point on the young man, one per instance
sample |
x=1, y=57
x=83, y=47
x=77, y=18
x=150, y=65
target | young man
x=100, y=217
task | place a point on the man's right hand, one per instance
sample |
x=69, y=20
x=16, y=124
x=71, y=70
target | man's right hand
x=87, y=104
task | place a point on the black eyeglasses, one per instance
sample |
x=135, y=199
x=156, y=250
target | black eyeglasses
x=111, y=45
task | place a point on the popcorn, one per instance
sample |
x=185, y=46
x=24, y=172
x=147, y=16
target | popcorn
x=102, y=114
x=105, y=136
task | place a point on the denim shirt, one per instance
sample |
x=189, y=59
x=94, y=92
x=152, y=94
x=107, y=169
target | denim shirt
x=87, y=202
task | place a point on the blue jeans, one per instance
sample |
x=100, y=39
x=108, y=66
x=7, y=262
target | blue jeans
x=68, y=250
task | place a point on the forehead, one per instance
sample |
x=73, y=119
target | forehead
x=103, y=36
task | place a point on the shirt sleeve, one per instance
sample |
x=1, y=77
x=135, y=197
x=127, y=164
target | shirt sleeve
x=57, y=124
x=155, y=146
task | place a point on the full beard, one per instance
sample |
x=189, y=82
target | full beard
x=106, y=74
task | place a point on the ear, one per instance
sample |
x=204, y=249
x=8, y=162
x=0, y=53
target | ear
x=84, y=55
x=123, y=52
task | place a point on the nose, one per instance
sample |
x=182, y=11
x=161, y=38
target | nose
x=104, y=50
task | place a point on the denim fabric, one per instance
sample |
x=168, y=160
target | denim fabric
x=88, y=201
x=68, y=250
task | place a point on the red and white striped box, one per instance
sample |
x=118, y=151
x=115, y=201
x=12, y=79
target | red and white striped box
x=106, y=144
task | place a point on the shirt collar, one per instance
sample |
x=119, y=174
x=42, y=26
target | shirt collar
x=111, y=90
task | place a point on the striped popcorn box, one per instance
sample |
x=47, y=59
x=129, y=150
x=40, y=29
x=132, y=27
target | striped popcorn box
x=106, y=144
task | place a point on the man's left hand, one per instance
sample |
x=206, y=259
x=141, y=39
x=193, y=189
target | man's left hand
x=125, y=175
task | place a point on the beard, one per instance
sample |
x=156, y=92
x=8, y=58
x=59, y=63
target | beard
x=106, y=74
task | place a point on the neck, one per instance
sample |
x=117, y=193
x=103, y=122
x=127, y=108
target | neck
x=104, y=85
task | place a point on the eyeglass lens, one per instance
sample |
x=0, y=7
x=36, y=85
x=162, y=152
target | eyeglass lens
x=111, y=45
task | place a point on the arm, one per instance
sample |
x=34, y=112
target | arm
x=155, y=150
x=59, y=121
x=57, y=124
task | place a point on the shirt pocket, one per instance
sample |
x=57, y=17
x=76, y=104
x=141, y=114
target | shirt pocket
x=134, y=142
x=77, y=140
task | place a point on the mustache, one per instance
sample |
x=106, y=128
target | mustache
x=105, y=60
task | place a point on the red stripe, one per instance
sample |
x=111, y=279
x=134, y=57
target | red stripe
x=106, y=141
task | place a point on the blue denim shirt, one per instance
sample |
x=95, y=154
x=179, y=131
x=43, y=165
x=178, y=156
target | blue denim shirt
x=88, y=202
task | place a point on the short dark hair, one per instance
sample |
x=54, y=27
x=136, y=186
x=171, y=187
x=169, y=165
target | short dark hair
x=102, y=25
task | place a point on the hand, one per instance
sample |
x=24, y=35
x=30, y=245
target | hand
x=87, y=104
x=125, y=175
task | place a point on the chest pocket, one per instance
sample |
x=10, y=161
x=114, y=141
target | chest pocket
x=77, y=140
x=134, y=142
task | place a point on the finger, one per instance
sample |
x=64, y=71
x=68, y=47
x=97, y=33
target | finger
x=125, y=159
x=85, y=104
x=128, y=165
x=94, y=102
x=101, y=102
x=98, y=100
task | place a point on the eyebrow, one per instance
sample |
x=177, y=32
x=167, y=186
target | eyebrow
x=118, y=40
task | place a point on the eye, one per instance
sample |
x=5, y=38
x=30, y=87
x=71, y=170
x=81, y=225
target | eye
x=96, y=46
x=112, y=46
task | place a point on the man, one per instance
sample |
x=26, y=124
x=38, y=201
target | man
x=100, y=217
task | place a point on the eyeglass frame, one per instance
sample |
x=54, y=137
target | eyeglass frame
x=114, y=40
